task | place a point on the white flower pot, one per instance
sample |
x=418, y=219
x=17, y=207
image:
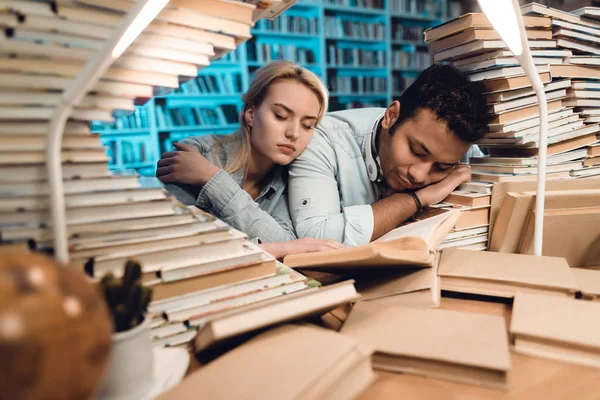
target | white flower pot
x=130, y=374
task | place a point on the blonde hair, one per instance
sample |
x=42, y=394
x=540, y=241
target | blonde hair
x=273, y=72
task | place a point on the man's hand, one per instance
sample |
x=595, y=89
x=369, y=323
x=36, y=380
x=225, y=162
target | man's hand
x=306, y=245
x=437, y=192
x=185, y=166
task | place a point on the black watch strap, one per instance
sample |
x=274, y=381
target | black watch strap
x=416, y=199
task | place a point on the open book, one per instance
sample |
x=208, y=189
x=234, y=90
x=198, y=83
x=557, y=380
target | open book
x=409, y=245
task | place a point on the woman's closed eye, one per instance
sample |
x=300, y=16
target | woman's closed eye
x=308, y=127
x=280, y=117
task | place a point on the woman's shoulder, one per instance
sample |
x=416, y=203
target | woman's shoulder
x=202, y=142
x=216, y=148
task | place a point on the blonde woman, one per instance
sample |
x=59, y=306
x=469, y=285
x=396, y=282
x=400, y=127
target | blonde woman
x=242, y=178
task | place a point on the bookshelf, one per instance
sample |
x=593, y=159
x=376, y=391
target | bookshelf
x=366, y=51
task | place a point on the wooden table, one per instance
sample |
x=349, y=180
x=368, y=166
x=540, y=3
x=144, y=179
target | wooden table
x=530, y=378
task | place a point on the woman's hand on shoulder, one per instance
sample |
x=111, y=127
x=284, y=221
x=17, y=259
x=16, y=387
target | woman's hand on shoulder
x=298, y=246
x=185, y=165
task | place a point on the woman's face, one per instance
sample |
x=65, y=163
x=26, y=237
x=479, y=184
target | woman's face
x=283, y=124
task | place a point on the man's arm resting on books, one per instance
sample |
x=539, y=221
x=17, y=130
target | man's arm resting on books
x=392, y=211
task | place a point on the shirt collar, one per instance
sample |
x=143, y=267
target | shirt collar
x=370, y=157
x=277, y=181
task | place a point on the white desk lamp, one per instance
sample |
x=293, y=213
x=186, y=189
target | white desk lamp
x=140, y=15
x=505, y=17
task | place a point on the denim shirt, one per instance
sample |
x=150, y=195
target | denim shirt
x=267, y=218
x=330, y=193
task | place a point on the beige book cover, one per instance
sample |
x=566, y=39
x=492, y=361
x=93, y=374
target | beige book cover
x=220, y=41
x=476, y=20
x=90, y=199
x=70, y=186
x=558, y=328
x=92, y=214
x=185, y=262
x=155, y=244
x=540, y=9
x=457, y=346
x=288, y=362
x=235, y=11
x=523, y=112
x=499, y=191
x=469, y=199
x=517, y=82
x=471, y=34
x=511, y=222
x=252, y=317
x=589, y=282
x=580, y=246
x=409, y=245
x=412, y=287
x=516, y=208
x=554, y=148
x=469, y=216
x=502, y=275
x=164, y=290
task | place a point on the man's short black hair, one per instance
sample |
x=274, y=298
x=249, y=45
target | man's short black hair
x=452, y=97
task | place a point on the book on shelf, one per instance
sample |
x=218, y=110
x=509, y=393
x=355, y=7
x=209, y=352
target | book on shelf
x=409, y=245
x=503, y=275
x=474, y=348
x=342, y=370
x=557, y=328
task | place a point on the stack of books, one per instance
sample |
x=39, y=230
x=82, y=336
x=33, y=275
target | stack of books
x=473, y=47
x=565, y=50
x=471, y=232
x=196, y=265
x=179, y=313
x=581, y=36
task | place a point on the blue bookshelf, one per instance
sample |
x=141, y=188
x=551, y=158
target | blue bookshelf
x=366, y=51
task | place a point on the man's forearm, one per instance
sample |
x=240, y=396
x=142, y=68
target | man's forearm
x=390, y=212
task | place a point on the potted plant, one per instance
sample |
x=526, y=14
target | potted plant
x=130, y=374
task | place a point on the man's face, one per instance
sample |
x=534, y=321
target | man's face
x=420, y=151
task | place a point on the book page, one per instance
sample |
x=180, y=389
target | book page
x=425, y=229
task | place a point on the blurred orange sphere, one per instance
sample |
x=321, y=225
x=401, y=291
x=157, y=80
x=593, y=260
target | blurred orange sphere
x=55, y=329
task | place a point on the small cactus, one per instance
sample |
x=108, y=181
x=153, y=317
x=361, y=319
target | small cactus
x=127, y=298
